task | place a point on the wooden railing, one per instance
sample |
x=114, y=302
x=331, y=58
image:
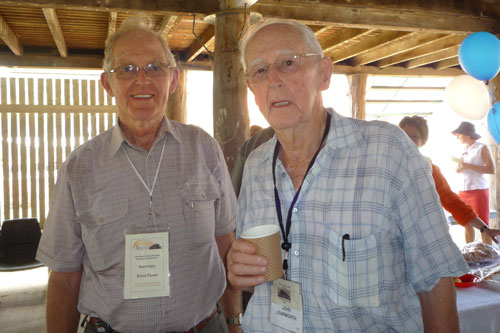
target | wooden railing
x=42, y=120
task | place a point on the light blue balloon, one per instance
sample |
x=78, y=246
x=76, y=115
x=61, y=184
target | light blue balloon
x=479, y=55
x=494, y=122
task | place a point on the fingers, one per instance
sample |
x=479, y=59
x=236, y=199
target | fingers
x=245, y=269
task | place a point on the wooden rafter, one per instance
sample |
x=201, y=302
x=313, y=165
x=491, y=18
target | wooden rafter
x=408, y=44
x=434, y=57
x=207, y=37
x=442, y=43
x=10, y=38
x=342, y=37
x=168, y=25
x=55, y=28
x=448, y=63
x=365, y=45
x=112, y=23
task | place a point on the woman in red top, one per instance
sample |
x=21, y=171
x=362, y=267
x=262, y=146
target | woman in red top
x=416, y=128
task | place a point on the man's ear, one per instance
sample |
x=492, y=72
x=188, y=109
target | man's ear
x=174, y=81
x=105, y=84
x=326, y=71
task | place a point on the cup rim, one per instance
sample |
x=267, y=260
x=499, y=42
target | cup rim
x=260, y=231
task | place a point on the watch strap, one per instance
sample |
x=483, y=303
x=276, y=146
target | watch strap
x=235, y=320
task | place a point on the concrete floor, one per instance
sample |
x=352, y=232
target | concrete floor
x=22, y=295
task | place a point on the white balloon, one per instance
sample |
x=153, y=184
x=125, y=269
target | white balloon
x=468, y=97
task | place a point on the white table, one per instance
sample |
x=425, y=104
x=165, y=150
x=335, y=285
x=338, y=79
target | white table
x=479, y=309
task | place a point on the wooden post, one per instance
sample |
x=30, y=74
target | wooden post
x=176, y=106
x=229, y=91
x=357, y=87
x=495, y=179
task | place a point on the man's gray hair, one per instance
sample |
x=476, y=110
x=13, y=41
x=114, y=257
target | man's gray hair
x=307, y=34
x=135, y=23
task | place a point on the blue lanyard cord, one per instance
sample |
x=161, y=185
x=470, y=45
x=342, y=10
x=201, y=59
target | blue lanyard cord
x=286, y=245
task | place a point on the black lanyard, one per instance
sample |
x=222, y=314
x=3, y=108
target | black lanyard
x=286, y=245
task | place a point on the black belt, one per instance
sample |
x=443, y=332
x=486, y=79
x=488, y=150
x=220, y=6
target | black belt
x=101, y=326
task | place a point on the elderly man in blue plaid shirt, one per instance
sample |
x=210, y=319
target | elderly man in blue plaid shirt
x=366, y=246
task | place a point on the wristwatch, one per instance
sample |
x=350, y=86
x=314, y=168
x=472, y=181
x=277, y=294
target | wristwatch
x=235, y=320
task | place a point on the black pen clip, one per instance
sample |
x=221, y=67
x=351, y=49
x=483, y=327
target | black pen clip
x=346, y=236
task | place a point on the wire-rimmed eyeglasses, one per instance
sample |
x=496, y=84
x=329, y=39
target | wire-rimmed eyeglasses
x=132, y=71
x=286, y=64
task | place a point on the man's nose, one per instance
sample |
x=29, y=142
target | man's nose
x=273, y=74
x=142, y=77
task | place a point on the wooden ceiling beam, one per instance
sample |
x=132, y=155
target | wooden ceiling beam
x=351, y=14
x=341, y=37
x=414, y=41
x=432, y=58
x=55, y=28
x=439, y=44
x=10, y=38
x=52, y=61
x=396, y=71
x=452, y=62
x=207, y=37
x=168, y=25
x=157, y=6
x=112, y=24
x=366, y=45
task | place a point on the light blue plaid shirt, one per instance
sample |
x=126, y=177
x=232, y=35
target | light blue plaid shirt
x=370, y=182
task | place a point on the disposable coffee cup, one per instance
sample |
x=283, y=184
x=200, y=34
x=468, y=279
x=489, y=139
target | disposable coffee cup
x=266, y=239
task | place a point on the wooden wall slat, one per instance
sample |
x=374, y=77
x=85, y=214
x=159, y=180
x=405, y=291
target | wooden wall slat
x=59, y=147
x=13, y=91
x=3, y=90
x=24, y=166
x=84, y=92
x=31, y=91
x=102, y=94
x=49, y=88
x=5, y=167
x=59, y=92
x=15, y=166
x=32, y=163
x=42, y=120
x=51, y=152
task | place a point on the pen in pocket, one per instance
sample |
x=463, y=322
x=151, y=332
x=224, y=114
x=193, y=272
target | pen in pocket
x=346, y=236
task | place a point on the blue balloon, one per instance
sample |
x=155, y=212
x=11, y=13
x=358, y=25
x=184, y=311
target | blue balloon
x=494, y=122
x=479, y=55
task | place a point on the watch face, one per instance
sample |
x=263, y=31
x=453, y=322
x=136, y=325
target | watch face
x=235, y=320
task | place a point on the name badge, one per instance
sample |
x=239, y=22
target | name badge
x=146, y=265
x=286, y=305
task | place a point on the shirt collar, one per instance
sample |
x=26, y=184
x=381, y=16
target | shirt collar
x=117, y=137
x=343, y=133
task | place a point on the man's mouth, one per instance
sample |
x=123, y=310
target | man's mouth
x=142, y=96
x=282, y=103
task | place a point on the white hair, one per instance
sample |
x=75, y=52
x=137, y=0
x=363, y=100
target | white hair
x=307, y=34
x=135, y=23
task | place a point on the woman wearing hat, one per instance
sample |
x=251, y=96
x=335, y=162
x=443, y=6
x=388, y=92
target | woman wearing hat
x=475, y=163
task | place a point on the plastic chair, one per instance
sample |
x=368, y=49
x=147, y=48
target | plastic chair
x=19, y=240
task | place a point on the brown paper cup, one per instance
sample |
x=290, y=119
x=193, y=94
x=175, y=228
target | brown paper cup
x=267, y=240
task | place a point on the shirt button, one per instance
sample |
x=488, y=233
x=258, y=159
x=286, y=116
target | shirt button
x=283, y=174
x=158, y=215
x=295, y=210
x=297, y=252
x=203, y=195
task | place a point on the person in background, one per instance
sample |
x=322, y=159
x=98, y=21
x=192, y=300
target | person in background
x=418, y=131
x=142, y=216
x=475, y=163
x=365, y=241
x=254, y=129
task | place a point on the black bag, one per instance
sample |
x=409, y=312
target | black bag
x=19, y=240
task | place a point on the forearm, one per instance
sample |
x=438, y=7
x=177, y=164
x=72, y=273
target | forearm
x=439, y=308
x=62, y=300
x=231, y=303
x=485, y=169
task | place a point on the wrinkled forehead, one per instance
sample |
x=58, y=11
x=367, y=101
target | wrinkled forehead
x=126, y=46
x=273, y=41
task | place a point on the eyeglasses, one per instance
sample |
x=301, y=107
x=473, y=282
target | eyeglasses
x=286, y=64
x=132, y=71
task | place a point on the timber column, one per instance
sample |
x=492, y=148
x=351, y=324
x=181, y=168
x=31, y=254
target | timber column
x=495, y=179
x=230, y=90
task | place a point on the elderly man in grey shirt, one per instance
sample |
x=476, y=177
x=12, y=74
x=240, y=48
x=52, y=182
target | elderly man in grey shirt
x=142, y=215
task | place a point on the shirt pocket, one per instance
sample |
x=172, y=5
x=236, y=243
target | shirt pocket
x=200, y=201
x=103, y=230
x=353, y=280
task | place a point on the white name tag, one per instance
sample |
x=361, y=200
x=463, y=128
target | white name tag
x=286, y=305
x=146, y=265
